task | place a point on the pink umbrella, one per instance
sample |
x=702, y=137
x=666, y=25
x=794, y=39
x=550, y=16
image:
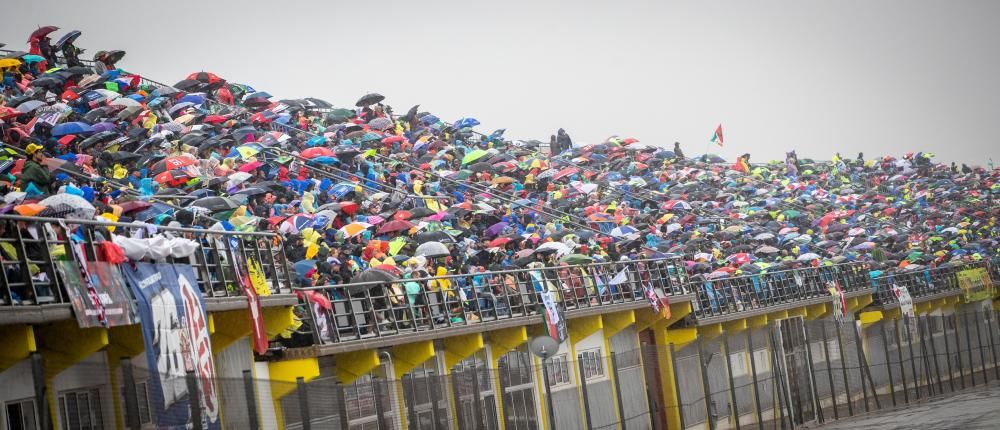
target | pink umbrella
x=251, y=166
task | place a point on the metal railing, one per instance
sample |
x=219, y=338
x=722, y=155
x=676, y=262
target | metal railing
x=921, y=282
x=407, y=305
x=755, y=291
x=28, y=268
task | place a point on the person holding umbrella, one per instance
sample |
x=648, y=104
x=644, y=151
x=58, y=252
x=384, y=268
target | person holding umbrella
x=33, y=173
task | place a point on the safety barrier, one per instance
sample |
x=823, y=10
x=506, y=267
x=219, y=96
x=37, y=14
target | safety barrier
x=920, y=282
x=29, y=274
x=728, y=295
x=406, y=305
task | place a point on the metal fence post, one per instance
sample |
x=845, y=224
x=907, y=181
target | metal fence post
x=812, y=374
x=379, y=404
x=862, y=364
x=843, y=370
x=934, y=355
x=947, y=354
x=899, y=353
x=982, y=350
x=458, y=400
x=194, y=399
x=958, y=350
x=888, y=363
x=913, y=359
x=753, y=374
x=733, y=405
x=677, y=388
x=777, y=372
x=583, y=391
x=618, y=391
x=993, y=349
x=548, y=393
x=477, y=405
x=829, y=372
x=928, y=375
x=304, y=411
x=250, y=391
x=132, y=420
x=706, y=387
x=41, y=391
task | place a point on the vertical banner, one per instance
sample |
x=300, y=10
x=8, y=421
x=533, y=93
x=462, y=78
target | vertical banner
x=245, y=278
x=175, y=334
x=839, y=301
x=659, y=301
x=906, y=307
x=555, y=323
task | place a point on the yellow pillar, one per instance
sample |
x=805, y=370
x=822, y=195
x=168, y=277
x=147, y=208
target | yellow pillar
x=501, y=342
x=668, y=381
x=125, y=342
x=613, y=324
x=284, y=375
x=18, y=342
x=405, y=358
x=62, y=345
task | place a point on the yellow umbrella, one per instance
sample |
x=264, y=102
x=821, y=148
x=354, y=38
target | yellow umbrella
x=184, y=119
x=247, y=151
x=9, y=62
x=354, y=228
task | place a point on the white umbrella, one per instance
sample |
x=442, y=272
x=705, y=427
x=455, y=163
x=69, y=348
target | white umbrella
x=432, y=249
x=808, y=257
x=81, y=208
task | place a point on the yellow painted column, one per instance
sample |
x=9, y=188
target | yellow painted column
x=456, y=349
x=405, y=358
x=18, y=343
x=501, y=342
x=668, y=380
x=284, y=375
x=62, y=345
x=613, y=324
x=125, y=342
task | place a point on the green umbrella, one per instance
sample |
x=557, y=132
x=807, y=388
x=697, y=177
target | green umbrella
x=339, y=115
x=473, y=156
x=576, y=259
x=396, y=245
x=792, y=213
x=462, y=175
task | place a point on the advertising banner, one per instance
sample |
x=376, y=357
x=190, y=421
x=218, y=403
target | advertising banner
x=555, y=322
x=175, y=334
x=976, y=284
x=245, y=275
x=103, y=302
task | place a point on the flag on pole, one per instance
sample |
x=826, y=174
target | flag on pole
x=717, y=138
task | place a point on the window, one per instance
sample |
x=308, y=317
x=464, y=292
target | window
x=558, y=370
x=142, y=399
x=21, y=415
x=739, y=362
x=81, y=409
x=593, y=363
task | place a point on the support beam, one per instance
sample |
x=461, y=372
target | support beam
x=711, y=331
x=645, y=317
x=355, y=364
x=817, y=311
x=777, y=315
x=407, y=356
x=278, y=319
x=680, y=337
x=797, y=312
x=228, y=327
x=615, y=322
x=505, y=340
x=668, y=380
x=581, y=328
x=735, y=326
x=18, y=342
x=869, y=318
x=458, y=348
x=125, y=342
x=64, y=344
x=757, y=321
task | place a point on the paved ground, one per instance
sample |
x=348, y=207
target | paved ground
x=972, y=409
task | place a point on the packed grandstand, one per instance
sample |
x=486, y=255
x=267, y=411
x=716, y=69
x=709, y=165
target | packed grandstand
x=368, y=193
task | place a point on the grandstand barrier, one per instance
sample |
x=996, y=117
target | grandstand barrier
x=30, y=275
x=404, y=306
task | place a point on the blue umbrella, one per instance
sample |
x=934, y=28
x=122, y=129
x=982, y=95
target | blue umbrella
x=466, y=122
x=153, y=211
x=429, y=119
x=316, y=141
x=72, y=128
x=192, y=98
x=324, y=160
x=304, y=266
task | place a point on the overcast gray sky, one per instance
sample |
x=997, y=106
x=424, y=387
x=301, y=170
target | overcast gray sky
x=883, y=77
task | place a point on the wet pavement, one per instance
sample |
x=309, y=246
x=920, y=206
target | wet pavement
x=971, y=409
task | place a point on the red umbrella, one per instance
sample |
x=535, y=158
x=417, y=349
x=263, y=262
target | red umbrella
x=206, y=77
x=318, y=298
x=349, y=208
x=134, y=205
x=171, y=164
x=565, y=172
x=8, y=112
x=498, y=242
x=173, y=178
x=215, y=119
x=389, y=268
x=317, y=151
x=251, y=166
x=394, y=225
x=42, y=32
x=402, y=215
x=261, y=117
x=393, y=139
